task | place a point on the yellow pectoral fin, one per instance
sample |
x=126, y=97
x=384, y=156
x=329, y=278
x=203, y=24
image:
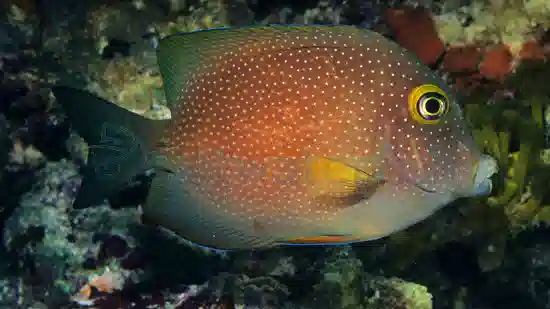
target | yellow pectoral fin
x=337, y=185
x=326, y=175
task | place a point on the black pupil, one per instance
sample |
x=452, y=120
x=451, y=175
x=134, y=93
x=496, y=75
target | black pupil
x=432, y=106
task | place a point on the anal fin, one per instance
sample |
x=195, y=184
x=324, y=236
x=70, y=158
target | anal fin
x=321, y=240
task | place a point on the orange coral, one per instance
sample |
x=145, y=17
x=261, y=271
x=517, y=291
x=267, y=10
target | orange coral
x=462, y=59
x=108, y=282
x=415, y=30
x=533, y=50
x=496, y=63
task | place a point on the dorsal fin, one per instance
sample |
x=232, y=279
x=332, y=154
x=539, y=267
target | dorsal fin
x=180, y=56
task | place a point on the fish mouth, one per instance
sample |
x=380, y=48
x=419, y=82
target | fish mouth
x=482, y=185
x=484, y=169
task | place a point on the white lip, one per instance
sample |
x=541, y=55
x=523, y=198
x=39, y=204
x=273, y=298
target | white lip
x=485, y=168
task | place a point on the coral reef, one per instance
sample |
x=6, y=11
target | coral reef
x=479, y=253
x=54, y=242
x=476, y=42
x=495, y=22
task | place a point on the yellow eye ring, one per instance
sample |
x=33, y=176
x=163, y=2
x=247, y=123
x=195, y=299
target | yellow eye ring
x=428, y=104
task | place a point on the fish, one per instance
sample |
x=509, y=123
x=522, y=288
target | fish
x=285, y=135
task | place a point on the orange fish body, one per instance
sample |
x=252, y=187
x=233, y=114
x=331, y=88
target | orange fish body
x=305, y=135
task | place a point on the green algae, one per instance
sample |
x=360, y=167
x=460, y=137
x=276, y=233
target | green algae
x=513, y=133
x=344, y=284
x=396, y=293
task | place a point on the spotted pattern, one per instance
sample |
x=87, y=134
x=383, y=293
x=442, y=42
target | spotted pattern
x=250, y=107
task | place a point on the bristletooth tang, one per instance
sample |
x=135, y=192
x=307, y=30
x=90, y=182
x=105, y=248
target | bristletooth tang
x=285, y=135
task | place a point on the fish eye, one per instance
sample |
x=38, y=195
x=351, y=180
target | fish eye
x=428, y=104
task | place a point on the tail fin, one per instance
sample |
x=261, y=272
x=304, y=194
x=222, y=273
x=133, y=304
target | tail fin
x=119, y=142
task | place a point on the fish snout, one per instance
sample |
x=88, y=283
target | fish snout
x=484, y=168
